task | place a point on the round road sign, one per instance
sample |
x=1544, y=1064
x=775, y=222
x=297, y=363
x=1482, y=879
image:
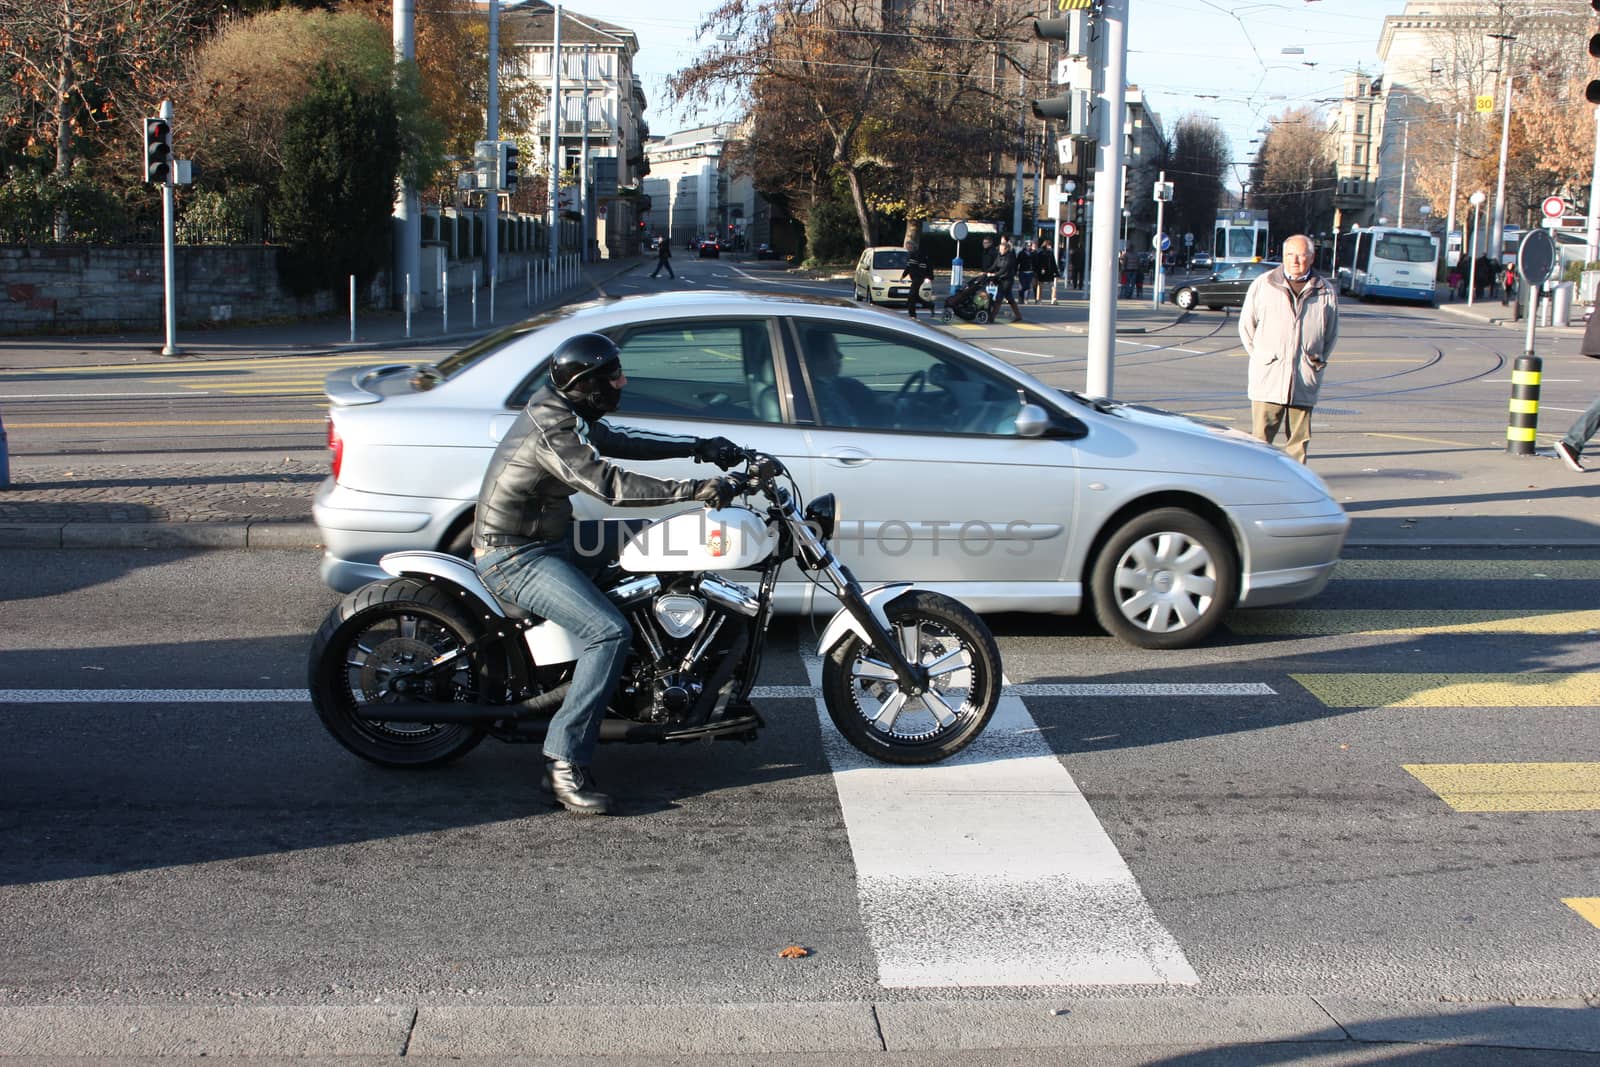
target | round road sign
x=1536, y=256
x=959, y=230
x=1553, y=207
x=1069, y=229
x=1162, y=241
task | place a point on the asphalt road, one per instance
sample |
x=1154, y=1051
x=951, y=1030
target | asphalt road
x=1281, y=829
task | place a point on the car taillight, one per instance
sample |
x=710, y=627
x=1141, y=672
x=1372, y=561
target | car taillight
x=335, y=449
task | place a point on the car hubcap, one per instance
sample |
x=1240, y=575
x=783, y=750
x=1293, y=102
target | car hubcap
x=1165, y=582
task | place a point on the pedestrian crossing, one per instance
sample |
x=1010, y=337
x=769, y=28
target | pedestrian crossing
x=1549, y=625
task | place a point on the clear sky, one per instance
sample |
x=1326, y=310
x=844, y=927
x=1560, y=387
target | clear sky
x=1212, y=57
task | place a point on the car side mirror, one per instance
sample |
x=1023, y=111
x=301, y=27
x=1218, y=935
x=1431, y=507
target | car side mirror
x=1034, y=421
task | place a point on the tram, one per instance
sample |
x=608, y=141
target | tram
x=1241, y=237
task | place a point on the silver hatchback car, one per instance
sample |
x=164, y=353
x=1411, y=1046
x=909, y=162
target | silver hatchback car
x=951, y=467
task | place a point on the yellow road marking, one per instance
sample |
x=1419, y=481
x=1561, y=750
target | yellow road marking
x=1423, y=440
x=1588, y=907
x=1387, y=570
x=1309, y=622
x=174, y=422
x=1512, y=786
x=1453, y=690
x=966, y=326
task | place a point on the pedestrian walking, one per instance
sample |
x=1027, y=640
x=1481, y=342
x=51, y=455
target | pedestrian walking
x=1510, y=285
x=1289, y=325
x=1005, y=278
x=1584, y=427
x=1045, y=271
x=990, y=254
x=1077, y=261
x=1024, y=271
x=664, y=259
x=917, y=272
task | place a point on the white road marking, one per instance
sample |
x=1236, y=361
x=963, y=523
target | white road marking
x=79, y=396
x=990, y=869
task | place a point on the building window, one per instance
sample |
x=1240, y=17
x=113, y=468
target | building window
x=1361, y=155
x=1361, y=123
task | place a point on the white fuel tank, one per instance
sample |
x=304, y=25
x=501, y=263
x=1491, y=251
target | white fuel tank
x=706, y=539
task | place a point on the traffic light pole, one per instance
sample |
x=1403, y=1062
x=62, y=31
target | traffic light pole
x=491, y=214
x=168, y=253
x=1107, y=200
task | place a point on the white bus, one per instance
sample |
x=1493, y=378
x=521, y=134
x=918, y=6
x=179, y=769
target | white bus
x=1390, y=262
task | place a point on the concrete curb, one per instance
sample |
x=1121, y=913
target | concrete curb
x=160, y=535
x=767, y=1030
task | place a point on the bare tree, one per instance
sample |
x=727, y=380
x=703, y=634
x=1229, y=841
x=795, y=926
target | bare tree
x=1293, y=175
x=1195, y=165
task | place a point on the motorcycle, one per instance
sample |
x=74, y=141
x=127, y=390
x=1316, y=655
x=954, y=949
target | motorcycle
x=419, y=668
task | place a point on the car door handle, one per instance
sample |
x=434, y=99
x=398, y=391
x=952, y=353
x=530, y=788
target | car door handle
x=847, y=457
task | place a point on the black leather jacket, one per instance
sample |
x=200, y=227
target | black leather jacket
x=551, y=452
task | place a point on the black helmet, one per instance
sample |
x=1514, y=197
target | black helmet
x=582, y=369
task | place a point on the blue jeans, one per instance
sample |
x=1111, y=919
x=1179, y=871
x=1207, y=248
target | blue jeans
x=1584, y=427
x=554, y=582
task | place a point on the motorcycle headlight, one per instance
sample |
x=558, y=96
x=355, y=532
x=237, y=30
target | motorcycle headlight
x=823, y=513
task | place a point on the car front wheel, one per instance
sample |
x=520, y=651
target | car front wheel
x=1184, y=299
x=1164, y=580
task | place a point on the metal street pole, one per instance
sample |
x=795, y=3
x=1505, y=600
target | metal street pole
x=168, y=255
x=553, y=212
x=1107, y=199
x=1476, y=199
x=1455, y=169
x=1592, y=241
x=1161, y=253
x=1022, y=151
x=1405, y=160
x=583, y=162
x=491, y=220
x=1497, y=221
x=407, y=212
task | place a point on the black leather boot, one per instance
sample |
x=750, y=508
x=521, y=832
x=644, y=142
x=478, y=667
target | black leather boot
x=574, y=788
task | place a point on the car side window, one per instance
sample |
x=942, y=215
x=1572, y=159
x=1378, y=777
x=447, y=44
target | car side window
x=1231, y=274
x=717, y=370
x=864, y=379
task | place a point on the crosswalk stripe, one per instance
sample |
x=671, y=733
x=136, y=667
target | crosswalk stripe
x=1311, y=622
x=990, y=868
x=1511, y=787
x=1588, y=907
x=1453, y=690
x=1467, y=569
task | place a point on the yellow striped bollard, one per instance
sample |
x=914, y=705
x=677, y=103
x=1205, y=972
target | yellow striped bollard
x=1523, y=418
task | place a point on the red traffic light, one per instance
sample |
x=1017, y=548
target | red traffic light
x=157, y=150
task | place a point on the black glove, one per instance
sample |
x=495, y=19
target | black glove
x=720, y=491
x=719, y=450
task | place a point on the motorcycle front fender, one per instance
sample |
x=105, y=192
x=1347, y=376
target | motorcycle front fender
x=844, y=623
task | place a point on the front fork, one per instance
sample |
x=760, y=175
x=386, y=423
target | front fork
x=872, y=624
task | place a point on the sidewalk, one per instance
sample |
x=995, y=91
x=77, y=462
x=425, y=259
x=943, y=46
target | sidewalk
x=374, y=329
x=1466, y=492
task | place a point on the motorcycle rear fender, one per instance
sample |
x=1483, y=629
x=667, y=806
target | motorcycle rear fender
x=548, y=643
x=844, y=623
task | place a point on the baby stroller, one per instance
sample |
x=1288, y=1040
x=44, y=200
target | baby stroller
x=972, y=302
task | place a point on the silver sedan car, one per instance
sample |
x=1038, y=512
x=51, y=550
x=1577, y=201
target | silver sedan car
x=951, y=467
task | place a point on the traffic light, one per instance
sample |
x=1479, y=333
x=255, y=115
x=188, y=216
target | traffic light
x=1592, y=93
x=157, y=151
x=1072, y=106
x=506, y=165
x=1078, y=211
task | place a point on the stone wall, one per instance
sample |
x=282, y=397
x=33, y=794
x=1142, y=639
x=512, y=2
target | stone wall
x=65, y=288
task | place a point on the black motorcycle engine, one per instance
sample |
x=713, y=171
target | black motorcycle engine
x=680, y=637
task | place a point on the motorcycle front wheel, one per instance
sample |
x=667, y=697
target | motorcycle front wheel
x=363, y=656
x=867, y=705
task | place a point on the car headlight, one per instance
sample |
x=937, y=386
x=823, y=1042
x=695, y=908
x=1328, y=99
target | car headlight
x=877, y=279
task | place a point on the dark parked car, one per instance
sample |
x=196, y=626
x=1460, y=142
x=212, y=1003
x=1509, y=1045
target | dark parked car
x=1226, y=288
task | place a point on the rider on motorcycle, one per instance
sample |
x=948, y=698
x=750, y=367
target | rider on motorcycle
x=523, y=542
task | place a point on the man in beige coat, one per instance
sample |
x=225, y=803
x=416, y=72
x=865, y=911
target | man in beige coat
x=1289, y=325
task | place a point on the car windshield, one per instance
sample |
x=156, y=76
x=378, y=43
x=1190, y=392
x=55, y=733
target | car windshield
x=889, y=260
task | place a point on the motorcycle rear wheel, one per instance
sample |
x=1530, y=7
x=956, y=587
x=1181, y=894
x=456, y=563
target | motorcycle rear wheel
x=373, y=636
x=864, y=700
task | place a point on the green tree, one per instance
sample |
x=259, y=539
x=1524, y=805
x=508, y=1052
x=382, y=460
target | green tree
x=341, y=156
